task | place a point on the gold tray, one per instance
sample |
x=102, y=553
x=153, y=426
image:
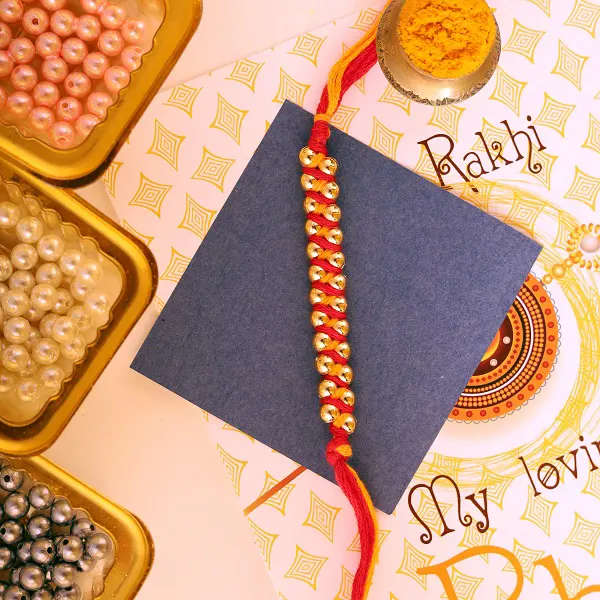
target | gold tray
x=85, y=163
x=139, y=277
x=134, y=547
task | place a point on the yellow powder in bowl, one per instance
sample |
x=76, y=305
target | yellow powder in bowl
x=447, y=38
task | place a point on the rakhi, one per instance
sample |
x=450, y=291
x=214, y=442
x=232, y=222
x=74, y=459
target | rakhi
x=327, y=296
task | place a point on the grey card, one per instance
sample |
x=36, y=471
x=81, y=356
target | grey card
x=430, y=280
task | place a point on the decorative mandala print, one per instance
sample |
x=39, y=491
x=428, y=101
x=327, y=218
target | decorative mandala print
x=518, y=361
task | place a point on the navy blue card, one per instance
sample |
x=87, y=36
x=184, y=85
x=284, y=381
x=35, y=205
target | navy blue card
x=430, y=280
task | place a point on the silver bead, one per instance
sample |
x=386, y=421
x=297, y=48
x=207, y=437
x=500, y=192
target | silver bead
x=83, y=528
x=7, y=558
x=39, y=526
x=86, y=563
x=44, y=594
x=70, y=548
x=11, y=479
x=42, y=551
x=63, y=574
x=16, y=505
x=15, y=592
x=40, y=496
x=62, y=512
x=73, y=592
x=11, y=532
x=32, y=577
x=23, y=552
x=98, y=546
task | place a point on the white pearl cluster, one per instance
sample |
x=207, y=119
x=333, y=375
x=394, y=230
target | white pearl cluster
x=52, y=302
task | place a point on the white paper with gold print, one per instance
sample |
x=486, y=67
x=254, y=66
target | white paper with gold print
x=170, y=181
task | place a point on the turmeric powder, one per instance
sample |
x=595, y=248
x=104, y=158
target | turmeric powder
x=447, y=38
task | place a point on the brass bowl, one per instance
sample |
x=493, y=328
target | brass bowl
x=418, y=85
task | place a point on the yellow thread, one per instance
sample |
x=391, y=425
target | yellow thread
x=336, y=370
x=325, y=254
x=316, y=160
x=331, y=323
x=341, y=420
x=344, y=450
x=327, y=277
x=338, y=393
x=332, y=346
x=323, y=231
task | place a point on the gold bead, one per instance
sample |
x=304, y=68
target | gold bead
x=339, y=304
x=558, y=271
x=343, y=349
x=348, y=397
x=329, y=166
x=311, y=227
x=324, y=363
x=329, y=413
x=310, y=204
x=307, y=182
x=333, y=212
x=335, y=236
x=337, y=259
x=313, y=250
x=331, y=190
x=327, y=388
x=346, y=374
x=342, y=327
x=306, y=156
x=547, y=279
x=316, y=296
x=316, y=273
x=338, y=282
x=321, y=341
x=568, y=263
x=349, y=425
x=318, y=318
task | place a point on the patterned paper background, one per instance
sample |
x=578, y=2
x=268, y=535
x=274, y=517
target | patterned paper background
x=170, y=181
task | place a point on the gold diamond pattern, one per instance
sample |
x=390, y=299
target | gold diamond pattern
x=554, y=114
x=412, y=561
x=592, y=486
x=584, y=188
x=501, y=594
x=197, y=219
x=183, y=97
x=290, y=89
x=447, y=117
x=176, y=267
x=321, y=516
x=159, y=305
x=569, y=64
x=523, y=40
x=233, y=467
x=585, y=15
x=472, y=539
x=280, y=498
x=527, y=557
x=228, y=427
x=523, y=215
x=147, y=239
x=508, y=90
x=246, y=72
x=593, y=138
x=539, y=511
x=150, y=195
x=213, y=169
x=496, y=486
x=424, y=166
x=264, y=541
x=382, y=535
x=384, y=140
x=366, y=19
x=428, y=511
x=546, y=161
x=345, y=591
x=572, y=581
x=584, y=535
x=543, y=5
x=491, y=133
x=166, y=144
x=343, y=117
x=306, y=567
x=229, y=119
x=464, y=585
x=110, y=177
x=308, y=46
x=393, y=96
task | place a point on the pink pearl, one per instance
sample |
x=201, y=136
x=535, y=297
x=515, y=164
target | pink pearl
x=68, y=109
x=24, y=78
x=19, y=104
x=36, y=21
x=85, y=124
x=113, y=16
x=55, y=70
x=74, y=51
x=78, y=85
x=41, y=118
x=131, y=58
x=92, y=6
x=98, y=104
x=116, y=78
x=53, y=5
x=5, y=35
x=88, y=28
x=22, y=50
x=7, y=63
x=62, y=135
x=133, y=31
x=63, y=23
x=111, y=43
x=46, y=94
x=95, y=65
x=11, y=11
x=48, y=45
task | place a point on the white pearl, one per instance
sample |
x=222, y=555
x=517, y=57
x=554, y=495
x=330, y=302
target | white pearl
x=4, y=287
x=22, y=280
x=15, y=358
x=69, y=261
x=49, y=273
x=75, y=350
x=6, y=267
x=33, y=315
x=9, y=215
x=64, y=303
x=44, y=296
x=7, y=381
x=590, y=243
x=30, y=369
x=46, y=324
x=64, y=330
x=81, y=318
x=79, y=290
x=51, y=377
x=24, y=256
x=51, y=247
x=34, y=336
x=16, y=330
x=46, y=351
x=15, y=303
x=28, y=390
x=89, y=272
x=29, y=230
x=96, y=304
